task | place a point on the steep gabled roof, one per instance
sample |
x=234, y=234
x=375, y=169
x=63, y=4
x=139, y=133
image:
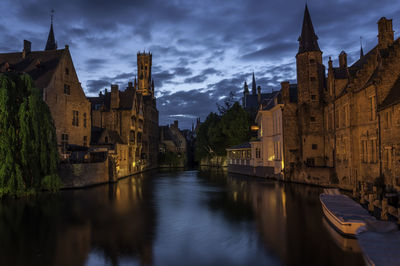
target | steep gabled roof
x=126, y=99
x=359, y=64
x=308, y=40
x=40, y=65
x=393, y=97
x=340, y=73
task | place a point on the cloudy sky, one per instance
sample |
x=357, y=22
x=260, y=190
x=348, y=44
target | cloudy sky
x=202, y=50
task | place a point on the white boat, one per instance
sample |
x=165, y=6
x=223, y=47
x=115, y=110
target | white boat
x=380, y=243
x=342, y=212
x=348, y=244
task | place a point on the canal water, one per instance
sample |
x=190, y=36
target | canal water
x=203, y=217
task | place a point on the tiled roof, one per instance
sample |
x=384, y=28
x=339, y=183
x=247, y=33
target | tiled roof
x=270, y=102
x=245, y=145
x=340, y=73
x=252, y=100
x=393, y=97
x=97, y=132
x=359, y=64
x=126, y=98
x=40, y=65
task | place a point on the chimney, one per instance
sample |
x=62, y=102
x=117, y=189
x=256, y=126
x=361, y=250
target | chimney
x=176, y=123
x=385, y=33
x=27, y=48
x=285, y=92
x=343, y=60
x=259, y=94
x=114, y=97
x=330, y=64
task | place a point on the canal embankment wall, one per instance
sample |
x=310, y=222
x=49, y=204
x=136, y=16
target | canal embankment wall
x=80, y=175
x=216, y=161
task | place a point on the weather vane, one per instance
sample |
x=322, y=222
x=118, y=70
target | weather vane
x=52, y=15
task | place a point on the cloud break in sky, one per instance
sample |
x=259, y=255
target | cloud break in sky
x=201, y=50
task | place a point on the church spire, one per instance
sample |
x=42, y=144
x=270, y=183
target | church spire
x=51, y=42
x=308, y=40
x=246, y=88
x=253, y=86
x=361, y=49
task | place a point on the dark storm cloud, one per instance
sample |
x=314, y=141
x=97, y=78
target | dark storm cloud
x=95, y=63
x=182, y=71
x=211, y=45
x=185, y=106
x=273, y=51
x=95, y=86
x=203, y=75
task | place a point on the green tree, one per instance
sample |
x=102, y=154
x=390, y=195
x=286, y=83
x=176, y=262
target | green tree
x=28, y=146
x=235, y=125
x=219, y=132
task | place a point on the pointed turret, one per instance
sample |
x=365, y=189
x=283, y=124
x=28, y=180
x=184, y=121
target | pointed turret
x=254, y=86
x=246, y=88
x=361, y=49
x=51, y=42
x=308, y=40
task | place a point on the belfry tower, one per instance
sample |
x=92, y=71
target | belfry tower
x=311, y=84
x=144, y=73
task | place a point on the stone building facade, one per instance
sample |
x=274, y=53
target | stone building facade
x=172, y=146
x=53, y=72
x=343, y=129
x=131, y=117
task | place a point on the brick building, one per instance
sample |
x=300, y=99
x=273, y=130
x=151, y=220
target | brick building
x=343, y=129
x=172, y=143
x=127, y=121
x=53, y=72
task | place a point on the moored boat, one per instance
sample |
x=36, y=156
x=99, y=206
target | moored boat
x=380, y=243
x=342, y=212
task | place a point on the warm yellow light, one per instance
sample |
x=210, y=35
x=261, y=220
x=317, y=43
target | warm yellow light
x=255, y=128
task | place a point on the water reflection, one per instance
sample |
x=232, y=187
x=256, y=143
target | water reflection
x=106, y=222
x=172, y=218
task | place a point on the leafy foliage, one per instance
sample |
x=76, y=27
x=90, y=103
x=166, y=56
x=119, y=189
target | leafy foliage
x=219, y=132
x=28, y=146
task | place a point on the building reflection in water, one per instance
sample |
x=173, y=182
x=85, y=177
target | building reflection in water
x=288, y=219
x=109, y=222
x=193, y=217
